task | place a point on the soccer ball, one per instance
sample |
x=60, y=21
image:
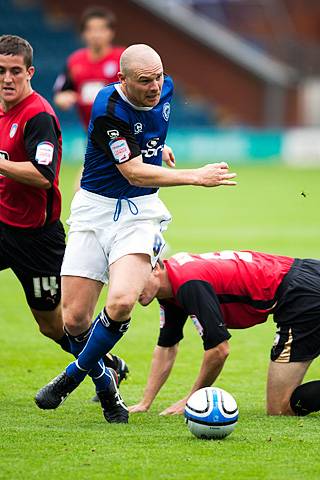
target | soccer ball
x=211, y=413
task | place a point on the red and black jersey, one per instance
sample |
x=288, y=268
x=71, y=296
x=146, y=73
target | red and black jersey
x=86, y=77
x=30, y=131
x=220, y=290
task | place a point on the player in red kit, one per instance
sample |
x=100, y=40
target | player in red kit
x=229, y=289
x=89, y=69
x=32, y=239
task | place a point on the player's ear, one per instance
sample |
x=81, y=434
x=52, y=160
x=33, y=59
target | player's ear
x=121, y=77
x=30, y=71
x=157, y=270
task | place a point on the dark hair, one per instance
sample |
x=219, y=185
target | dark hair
x=97, y=12
x=14, y=45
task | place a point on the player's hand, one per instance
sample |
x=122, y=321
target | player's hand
x=168, y=156
x=175, y=409
x=139, y=408
x=215, y=174
x=66, y=100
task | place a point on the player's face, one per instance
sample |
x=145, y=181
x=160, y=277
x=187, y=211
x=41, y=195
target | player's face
x=143, y=86
x=150, y=290
x=14, y=80
x=97, y=34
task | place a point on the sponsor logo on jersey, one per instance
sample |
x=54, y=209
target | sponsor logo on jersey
x=113, y=134
x=110, y=69
x=137, y=128
x=153, y=148
x=166, y=111
x=44, y=153
x=120, y=150
x=13, y=129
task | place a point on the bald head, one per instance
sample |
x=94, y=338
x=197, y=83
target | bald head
x=138, y=57
x=141, y=75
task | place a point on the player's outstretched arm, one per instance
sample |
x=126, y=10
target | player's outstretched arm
x=143, y=175
x=161, y=366
x=212, y=364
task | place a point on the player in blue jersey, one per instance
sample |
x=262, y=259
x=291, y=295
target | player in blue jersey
x=117, y=220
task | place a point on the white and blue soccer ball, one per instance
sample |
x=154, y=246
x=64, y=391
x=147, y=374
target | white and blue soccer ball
x=211, y=413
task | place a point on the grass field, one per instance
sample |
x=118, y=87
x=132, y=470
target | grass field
x=265, y=212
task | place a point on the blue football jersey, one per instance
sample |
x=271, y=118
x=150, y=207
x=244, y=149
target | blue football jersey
x=119, y=131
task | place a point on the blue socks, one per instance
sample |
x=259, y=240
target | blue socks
x=99, y=373
x=92, y=346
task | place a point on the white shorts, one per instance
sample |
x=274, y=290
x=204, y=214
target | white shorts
x=96, y=240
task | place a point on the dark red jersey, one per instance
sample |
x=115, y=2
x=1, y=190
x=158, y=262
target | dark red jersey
x=86, y=77
x=220, y=290
x=30, y=132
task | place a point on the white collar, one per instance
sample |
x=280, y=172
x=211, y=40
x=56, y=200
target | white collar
x=122, y=95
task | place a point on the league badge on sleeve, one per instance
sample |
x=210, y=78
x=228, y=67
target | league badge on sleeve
x=120, y=150
x=44, y=153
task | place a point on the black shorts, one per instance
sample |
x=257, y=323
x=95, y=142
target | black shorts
x=297, y=314
x=35, y=256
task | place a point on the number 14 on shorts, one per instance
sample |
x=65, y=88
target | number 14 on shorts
x=47, y=284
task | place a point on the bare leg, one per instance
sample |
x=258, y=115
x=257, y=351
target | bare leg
x=283, y=378
x=50, y=322
x=128, y=276
x=79, y=298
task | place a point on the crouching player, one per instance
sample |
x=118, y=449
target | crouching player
x=239, y=290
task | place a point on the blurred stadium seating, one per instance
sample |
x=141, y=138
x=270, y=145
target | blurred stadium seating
x=241, y=64
x=54, y=40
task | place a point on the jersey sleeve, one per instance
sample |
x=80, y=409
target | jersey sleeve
x=41, y=138
x=64, y=82
x=172, y=321
x=115, y=138
x=199, y=299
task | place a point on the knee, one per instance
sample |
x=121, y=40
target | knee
x=119, y=307
x=75, y=319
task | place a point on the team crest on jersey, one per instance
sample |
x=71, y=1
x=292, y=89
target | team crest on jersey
x=120, y=150
x=110, y=69
x=137, y=128
x=166, y=111
x=13, y=129
x=113, y=134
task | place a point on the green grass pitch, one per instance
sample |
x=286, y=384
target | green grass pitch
x=265, y=212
